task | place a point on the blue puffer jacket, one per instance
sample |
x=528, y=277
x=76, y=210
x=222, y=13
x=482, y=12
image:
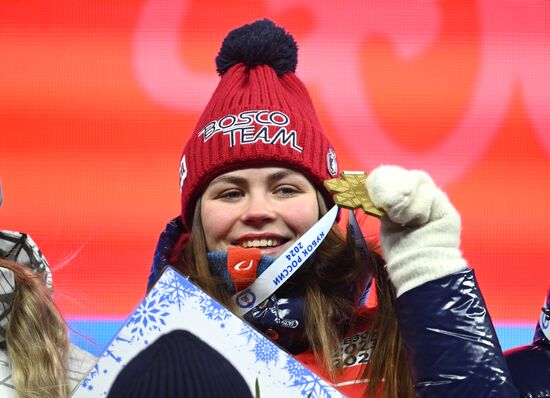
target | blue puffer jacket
x=450, y=341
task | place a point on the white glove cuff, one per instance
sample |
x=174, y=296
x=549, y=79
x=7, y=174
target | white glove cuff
x=423, y=265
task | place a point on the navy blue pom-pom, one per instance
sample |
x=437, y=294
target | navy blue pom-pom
x=259, y=43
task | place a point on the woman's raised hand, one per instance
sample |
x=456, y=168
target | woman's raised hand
x=420, y=233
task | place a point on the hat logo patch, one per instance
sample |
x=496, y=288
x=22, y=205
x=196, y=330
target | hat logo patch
x=250, y=127
x=183, y=172
x=332, y=164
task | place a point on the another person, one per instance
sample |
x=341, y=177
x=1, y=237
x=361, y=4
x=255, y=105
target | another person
x=179, y=365
x=36, y=357
x=252, y=178
x=530, y=364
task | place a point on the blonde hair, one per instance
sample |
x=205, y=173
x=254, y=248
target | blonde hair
x=329, y=310
x=36, y=338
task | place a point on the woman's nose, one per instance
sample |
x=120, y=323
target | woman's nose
x=259, y=210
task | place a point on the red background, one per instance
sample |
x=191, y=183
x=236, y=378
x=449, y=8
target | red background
x=92, y=123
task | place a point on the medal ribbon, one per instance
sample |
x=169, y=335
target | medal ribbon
x=361, y=244
x=284, y=266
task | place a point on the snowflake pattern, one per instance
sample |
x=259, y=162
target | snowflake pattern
x=111, y=350
x=306, y=382
x=248, y=333
x=149, y=315
x=212, y=309
x=265, y=351
x=174, y=291
x=176, y=303
x=88, y=381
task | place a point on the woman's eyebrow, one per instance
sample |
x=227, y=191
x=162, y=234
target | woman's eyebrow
x=279, y=175
x=271, y=178
x=228, y=180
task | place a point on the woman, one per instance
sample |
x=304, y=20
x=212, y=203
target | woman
x=36, y=358
x=251, y=179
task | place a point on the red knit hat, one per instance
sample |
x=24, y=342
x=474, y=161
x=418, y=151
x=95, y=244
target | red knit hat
x=260, y=115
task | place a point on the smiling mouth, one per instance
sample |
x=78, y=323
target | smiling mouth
x=261, y=243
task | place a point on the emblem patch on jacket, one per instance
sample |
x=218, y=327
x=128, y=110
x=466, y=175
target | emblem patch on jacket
x=355, y=350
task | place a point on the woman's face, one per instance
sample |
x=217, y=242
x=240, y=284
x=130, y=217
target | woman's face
x=268, y=208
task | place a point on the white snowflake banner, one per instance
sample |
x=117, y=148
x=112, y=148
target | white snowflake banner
x=176, y=303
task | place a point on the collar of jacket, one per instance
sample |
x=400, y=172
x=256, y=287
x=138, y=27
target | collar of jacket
x=280, y=317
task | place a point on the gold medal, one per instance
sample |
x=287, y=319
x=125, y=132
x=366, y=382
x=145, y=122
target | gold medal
x=350, y=192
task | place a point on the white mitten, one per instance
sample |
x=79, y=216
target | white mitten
x=420, y=232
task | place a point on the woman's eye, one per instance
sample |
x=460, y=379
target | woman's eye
x=286, y=190
x=231, y=195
